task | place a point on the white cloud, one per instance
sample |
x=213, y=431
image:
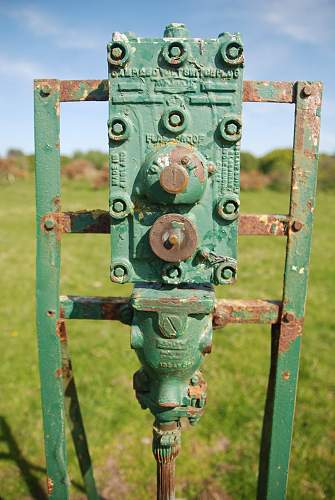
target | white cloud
x=42, y=25
x=19, y=68
x=302, y=20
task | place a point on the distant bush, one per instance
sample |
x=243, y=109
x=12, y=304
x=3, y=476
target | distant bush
x=273, y=170
x=326, y=177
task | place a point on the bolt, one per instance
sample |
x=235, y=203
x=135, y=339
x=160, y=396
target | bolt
x=116, y=53
x=175, y=51
x=45, y=91
x=288, y=317
x=119, y=206
x=49, y=224
x=297, y=225
x=211, y=168
x=118, y=128
x=185, y=160
x=229, y=207
x=175, y=120
x=233, y=52
x=195, y=380
x=173, y=272
x=307, y=90
x=119, y=271
x=231, y=128
x=227, y=273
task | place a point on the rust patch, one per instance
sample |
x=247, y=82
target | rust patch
x=290, y=329
x=50, y=485
x=263, y=225
x=61, y=330
x=84, y=90
x=57, y=223
x=286, y=375
x=267, y=91
x=246, y=311
x=59, y=372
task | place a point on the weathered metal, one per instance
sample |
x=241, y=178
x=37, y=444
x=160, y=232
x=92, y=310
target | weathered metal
x=286, y=316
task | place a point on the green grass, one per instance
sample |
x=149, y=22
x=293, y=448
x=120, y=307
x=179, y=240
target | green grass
x=220, y=456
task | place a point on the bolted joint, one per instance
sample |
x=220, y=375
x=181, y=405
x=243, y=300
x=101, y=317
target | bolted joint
x=120, y=271
x=228, y=208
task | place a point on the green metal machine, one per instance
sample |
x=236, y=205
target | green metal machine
x=174, y=133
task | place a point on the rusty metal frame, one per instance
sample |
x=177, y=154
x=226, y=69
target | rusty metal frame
x=285, y=316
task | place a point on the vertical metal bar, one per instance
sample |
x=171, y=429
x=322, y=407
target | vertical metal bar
x=46, y=108
x=286, y=341
x=74, y=417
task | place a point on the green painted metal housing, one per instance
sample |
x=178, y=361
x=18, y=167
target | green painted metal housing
x=174, y=116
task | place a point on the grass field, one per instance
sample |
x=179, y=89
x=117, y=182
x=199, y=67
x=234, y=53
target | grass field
x=219, y=457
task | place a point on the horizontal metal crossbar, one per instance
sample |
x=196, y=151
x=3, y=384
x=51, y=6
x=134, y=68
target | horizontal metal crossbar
x=98, y=221
x=253, y=91
x=118, y=308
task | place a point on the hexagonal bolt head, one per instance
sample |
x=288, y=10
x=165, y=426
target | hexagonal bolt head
x=118, y=128
x=119, y=271
x=175, y=51
x=229, y=208
x=233, y=52
x=119, y=206
x=227, y=273
x=116, y=53
x=172, y=272
x=175, y=120
x=231, y=128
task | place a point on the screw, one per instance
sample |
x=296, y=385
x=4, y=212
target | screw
x=118, y=128
x=175, y=120
x=45, y=91
x=229, y=207
x=307, y=91
x=49, y=224
x=119, y=206
x=116, y=53
x=231, y=128
x=175, y=51
x=227, y=273
x=119, y=271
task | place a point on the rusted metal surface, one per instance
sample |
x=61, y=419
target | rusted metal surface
x=115, y=308
x=246, y=311
x=253, y=91
x=290, y=329
x=98, y=221
x=268, y=91
x=263, y=225
x=171, y=243
x=84, y=90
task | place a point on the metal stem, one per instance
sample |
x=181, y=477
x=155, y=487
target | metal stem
x=165, y=447
x=166, y=480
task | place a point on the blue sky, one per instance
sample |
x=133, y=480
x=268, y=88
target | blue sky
x=284, y=40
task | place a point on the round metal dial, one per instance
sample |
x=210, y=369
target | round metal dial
x=173, y=237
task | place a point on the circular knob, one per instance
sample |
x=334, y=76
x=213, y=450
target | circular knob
x=173, y=237
x=174, y=179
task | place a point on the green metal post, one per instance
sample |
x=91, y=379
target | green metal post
x=286, y=337
x=46, y=99
x=74, y=417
